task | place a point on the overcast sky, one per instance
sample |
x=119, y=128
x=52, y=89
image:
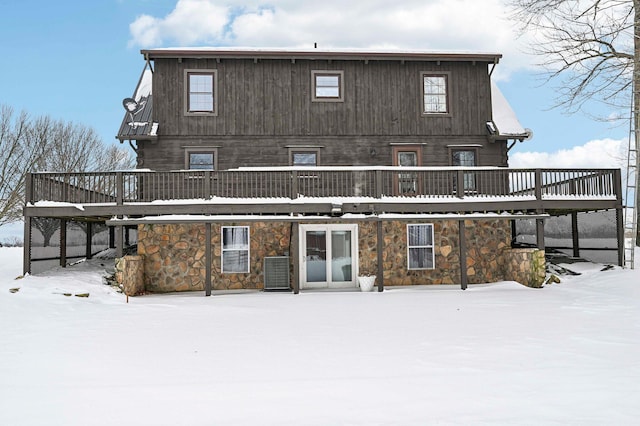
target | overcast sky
x=76, y=60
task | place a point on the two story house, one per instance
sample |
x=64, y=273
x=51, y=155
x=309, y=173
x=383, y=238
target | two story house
x=302, y=169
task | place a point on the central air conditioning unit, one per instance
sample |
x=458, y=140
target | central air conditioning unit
x=276, y=273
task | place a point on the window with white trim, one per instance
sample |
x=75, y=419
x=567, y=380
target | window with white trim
x=435, y=92
x=235, y=249
x=201, y=92
x=327, y=86
x=420, y=253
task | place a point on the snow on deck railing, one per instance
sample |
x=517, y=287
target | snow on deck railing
x=322, y=182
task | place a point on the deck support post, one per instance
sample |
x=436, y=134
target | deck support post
x=295, y=256
x=207, y=258
x=620, y=216
x=379, y=249
x=540, y=233
x=463, y=254
x=89, y=230
x=620, y=235
x=112, y=237
x=63, y=243
x=119, y=242
x=26, y=249
x=26, y=259
x=574, y=234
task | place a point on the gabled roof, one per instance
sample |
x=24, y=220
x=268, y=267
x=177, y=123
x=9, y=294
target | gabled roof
x=137, y=123
x=320, y=54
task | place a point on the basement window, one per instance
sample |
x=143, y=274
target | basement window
x=420, y=253
x=235, y=249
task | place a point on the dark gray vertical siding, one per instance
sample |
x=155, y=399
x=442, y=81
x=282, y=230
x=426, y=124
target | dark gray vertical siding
x=265, y=106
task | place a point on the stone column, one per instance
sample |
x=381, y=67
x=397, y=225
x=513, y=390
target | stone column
x=132, y=270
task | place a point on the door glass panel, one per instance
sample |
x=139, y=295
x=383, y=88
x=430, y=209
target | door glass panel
x=466, y=158
x=407, y=182
x=341, y=256
x=316, y=256
x=407, y=159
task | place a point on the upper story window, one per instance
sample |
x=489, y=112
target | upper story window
x=305, y=158
x=201, y=87
x=328, y=86
x=463, y=157
x=435, y=91
x=200, y=159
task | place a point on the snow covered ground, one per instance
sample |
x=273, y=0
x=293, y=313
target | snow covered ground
x=495, y=354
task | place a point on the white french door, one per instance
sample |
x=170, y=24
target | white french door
x=328, y=255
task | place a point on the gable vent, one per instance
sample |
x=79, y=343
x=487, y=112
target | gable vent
x=276, y=273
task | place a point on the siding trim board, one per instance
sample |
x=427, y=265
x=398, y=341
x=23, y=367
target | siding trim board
x=320, y=54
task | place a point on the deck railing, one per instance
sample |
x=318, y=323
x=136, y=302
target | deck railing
x=378, y=183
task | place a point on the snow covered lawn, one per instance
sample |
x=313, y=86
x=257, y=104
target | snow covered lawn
x=495, y=354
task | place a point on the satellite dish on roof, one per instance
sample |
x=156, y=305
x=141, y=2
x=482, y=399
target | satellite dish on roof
x=130, y=105
x=529, y=134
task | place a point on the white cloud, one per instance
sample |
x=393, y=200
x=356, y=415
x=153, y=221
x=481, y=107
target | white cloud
x=601, y=153
x=192, y=22
x=409, y=24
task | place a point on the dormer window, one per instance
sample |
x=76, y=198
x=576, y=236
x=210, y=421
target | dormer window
x=201, y=92
x=328, y=86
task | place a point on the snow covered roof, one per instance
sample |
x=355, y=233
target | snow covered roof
x=137, y=123
x=344, y=54
x=505, y=122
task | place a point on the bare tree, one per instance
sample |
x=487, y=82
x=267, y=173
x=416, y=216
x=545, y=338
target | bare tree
x=20, y=150
x=586, y=47
x=591, y=49
x=76, y=148
x=41, y=144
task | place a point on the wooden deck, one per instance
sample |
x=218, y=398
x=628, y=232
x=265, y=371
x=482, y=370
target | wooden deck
x=321, y=190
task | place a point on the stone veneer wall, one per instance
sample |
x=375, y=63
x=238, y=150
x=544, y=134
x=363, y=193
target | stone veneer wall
x=447, y=254
x=526, y=266
x=174, y=255
x=265, y=239
x=486, y=242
